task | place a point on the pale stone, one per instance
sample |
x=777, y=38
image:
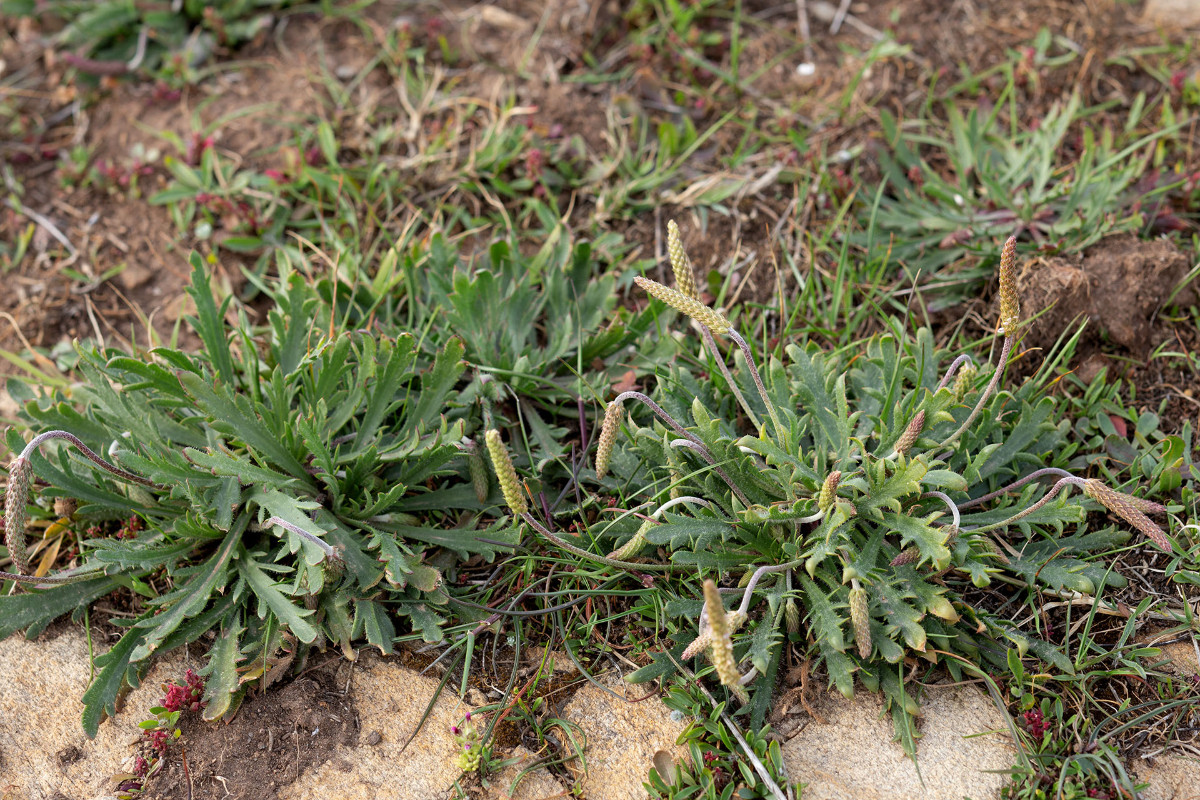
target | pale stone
x=537, y=784
x=391, y=700
x=622, y=737
x=852, y=756
x=45, y=753
x=1171, y=778
x=1172, y=13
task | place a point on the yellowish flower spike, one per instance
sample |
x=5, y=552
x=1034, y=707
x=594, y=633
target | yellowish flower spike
x=860, y=619
x=1010, y=306
x=15, y=515
x=608, y=437
x=712, y=319
x=506, y=473
x=828, y=491
x=722, y=637
x=685, y=279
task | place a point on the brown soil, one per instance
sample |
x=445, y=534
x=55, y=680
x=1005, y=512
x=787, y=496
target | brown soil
x=268, y=744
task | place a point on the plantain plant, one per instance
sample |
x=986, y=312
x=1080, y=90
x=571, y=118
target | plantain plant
x=291, y=493
x=869, y=499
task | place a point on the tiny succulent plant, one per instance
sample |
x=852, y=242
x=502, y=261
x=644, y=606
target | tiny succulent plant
x=866, y=488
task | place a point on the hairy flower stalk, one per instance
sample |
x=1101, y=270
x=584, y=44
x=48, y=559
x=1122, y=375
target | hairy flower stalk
x=17, y=498
x=608, y=429
x=506, y=474
x=1017, y=484
x=963, y=361
x=325, y=547
x=685, y=281
x=860, y=618
x=712, y=462
x=1124, y=506
x=1010, y=314
x=738, y=617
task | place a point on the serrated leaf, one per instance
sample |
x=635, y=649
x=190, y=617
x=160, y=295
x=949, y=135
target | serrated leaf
x=276, y=601
x=826, y=622
x=234, y=417
x=373, y=620
x=222, y=677
x=209, y=322
x=33, y=611
x=929, y=540
x=189, y=599
x=900, y=614
x=114, y=671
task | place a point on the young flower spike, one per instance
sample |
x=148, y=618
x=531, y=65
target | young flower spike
x=722, y=641
x=685, y=279
x=477, y=469
x=909, y=437
x=1121, y=505
x=1010, y=307
x=15, y=516
x=608, y=437
x=828, y=491
x=714, y=320
x=506, y=474
x=860, y=619
x=635, y=543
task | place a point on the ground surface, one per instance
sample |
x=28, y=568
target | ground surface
x=104, y=263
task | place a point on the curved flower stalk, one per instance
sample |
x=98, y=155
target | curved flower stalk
x=1010, y=320
x=1125, y=506
x=716, y=321
x=963, y=361
x=608, y=437
x=514, y=498
x=16, y=514
x=738, y=617
x=685, y=281
x=612, y=417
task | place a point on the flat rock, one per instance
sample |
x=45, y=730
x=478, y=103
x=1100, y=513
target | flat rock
x=1170, y=777
x=852, y=756
x=46, y=754
x=623, y=731
x=524, y=780
x=1172, y=13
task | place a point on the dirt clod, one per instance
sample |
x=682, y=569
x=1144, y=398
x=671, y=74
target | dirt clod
x=1119, y=285
x=269, y=743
